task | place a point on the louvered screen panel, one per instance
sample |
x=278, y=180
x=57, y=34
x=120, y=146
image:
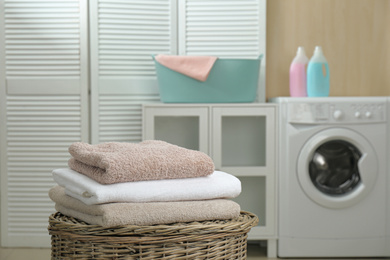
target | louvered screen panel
x=129, y=32
x=121, y=117
x=227, y=28
x=42, y=45
x=39, y=132
x=124, y=36
x=44, y=108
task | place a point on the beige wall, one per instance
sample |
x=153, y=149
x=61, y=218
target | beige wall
x=354, y=35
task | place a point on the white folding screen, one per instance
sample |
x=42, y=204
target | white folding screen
x=57, y=86
x=44, y=108
x=124, y=35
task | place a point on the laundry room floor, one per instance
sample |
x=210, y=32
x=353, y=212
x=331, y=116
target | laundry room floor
x=255, y=252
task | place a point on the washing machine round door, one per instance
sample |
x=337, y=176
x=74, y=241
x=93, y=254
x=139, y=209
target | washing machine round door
x=337, y=168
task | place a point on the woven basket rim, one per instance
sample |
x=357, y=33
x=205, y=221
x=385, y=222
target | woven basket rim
x=66, y=224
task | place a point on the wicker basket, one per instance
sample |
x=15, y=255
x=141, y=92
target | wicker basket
x=74, y=239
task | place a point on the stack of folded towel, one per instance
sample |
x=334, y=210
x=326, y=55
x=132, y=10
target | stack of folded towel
x=152, y=182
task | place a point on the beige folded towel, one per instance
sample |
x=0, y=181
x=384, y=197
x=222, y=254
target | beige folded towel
x=115, y=214
x=114, y=162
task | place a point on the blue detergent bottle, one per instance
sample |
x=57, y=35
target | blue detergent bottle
x=318, y=75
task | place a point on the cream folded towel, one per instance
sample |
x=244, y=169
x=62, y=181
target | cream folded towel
x=197, y=67
x=215, y=186
x=116, y=214
x=115, y=162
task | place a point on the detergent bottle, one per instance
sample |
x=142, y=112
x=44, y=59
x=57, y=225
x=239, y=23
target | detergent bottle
x=318, y=75
x=298, y=74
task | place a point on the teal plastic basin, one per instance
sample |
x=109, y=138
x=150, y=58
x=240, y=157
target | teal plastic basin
x=229, y=81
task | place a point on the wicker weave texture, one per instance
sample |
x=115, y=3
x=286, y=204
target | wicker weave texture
x=220, y=239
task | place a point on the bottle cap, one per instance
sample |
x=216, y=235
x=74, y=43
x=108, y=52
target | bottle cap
x=301, y=51
x=301, y=55
x=318, y=55
x=318, y=50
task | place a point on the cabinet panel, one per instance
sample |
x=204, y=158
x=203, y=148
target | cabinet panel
x=253, y=197
x=183, y=126
x=179, y=130
x=243, y=140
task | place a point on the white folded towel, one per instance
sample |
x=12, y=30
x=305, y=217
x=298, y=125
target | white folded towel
x=218, y=185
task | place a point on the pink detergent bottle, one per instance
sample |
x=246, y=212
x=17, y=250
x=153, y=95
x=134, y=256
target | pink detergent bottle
x=298, y=74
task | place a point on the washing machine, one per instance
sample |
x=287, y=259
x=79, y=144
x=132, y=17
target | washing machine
x=333, y=177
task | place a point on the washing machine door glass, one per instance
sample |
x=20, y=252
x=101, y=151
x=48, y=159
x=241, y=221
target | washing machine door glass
x=333, y=168
x=337, y=167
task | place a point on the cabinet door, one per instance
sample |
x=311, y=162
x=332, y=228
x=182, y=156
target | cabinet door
x=43, y=108
x=244, y=144
x=184, y=126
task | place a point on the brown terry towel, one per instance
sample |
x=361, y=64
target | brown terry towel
x=151, y=213
x=114, y=162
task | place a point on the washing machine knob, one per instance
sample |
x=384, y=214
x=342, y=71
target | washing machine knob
x=337, y=114
x=368, y=114
x=357, y=114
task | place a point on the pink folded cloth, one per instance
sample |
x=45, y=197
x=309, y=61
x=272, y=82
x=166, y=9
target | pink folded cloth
x=197, y=67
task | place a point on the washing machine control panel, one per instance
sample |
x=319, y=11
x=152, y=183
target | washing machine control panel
x=338, y=112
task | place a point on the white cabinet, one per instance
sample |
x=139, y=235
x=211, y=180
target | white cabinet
x=240, y=138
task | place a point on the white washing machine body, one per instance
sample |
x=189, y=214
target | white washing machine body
x=388, y=178
x=333, y=177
